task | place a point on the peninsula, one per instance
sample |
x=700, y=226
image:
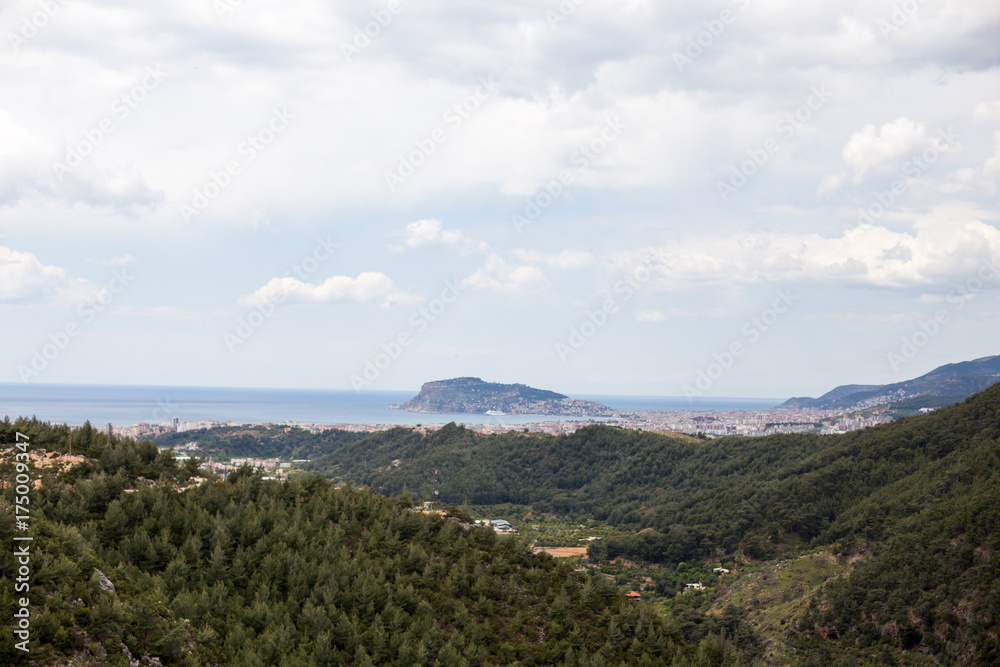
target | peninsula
x=469, y=395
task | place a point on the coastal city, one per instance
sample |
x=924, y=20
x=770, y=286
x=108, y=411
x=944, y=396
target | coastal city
x=692, y=422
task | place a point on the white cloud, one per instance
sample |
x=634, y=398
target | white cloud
x=23, y=278
x=655, y=315
x=430, y=233
x=26, y=174
x=368, y=287
x=498, y=275
x=991, y=168
x=943, y=246
x=650, y=316
x=987, y=111
x=560, y=86
x=830, y=184
x=566, y=259
x=984, y=178
x=872, y=148
x=17, y=159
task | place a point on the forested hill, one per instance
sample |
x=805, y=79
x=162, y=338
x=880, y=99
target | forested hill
x=916, y=502
x=776, y=490
x=131, y=559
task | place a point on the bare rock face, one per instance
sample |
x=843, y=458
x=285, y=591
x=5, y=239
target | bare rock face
x=128, y=656
x=103, y=582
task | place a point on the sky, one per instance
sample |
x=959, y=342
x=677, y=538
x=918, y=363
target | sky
x=757, y=198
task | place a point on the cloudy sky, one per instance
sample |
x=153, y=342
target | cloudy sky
x=751, y=198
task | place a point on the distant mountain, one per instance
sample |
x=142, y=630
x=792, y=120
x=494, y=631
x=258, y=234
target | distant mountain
x=945, y=385
x=469, y=395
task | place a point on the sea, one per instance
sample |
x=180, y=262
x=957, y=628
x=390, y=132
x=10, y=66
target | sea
x=123, y=405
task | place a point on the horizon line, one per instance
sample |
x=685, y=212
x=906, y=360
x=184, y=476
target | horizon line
x=363, y=391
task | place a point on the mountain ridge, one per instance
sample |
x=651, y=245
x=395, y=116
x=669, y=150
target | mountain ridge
x=951, y=383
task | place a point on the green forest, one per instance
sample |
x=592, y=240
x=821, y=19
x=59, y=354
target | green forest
x=253, y=572
x=915, y=504
x=879, y=546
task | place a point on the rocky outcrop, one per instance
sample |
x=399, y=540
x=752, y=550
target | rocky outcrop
x=103, y=582
x=470, y=395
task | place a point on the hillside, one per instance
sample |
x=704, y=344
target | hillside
x=942, y=386
x=133, y=560
x=900, y=525
x=917, y=503
x=791, y=487
x=473, y=396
